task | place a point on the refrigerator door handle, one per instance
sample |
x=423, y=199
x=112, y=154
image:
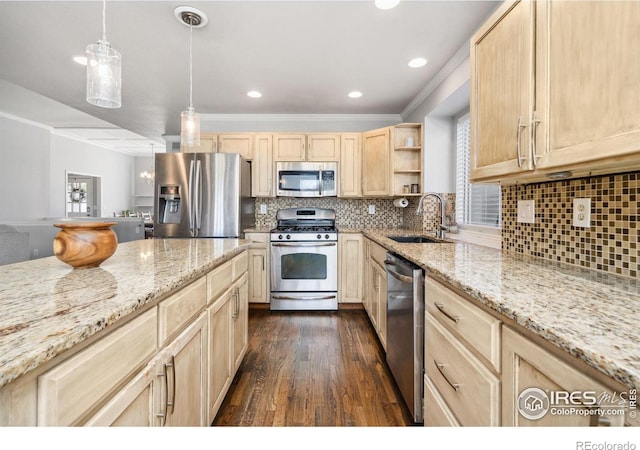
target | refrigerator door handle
x=191, y=193
x=198, y=196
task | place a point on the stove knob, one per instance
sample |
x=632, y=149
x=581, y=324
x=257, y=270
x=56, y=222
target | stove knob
x=326, y=236
x=288, y=236
x=319, y=236
x=279, y=236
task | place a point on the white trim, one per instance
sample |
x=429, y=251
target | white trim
x=26, y=121
x=458, y=58
x=487, y=236
x=60, y=132
x=397, y=118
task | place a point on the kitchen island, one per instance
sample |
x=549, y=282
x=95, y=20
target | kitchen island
x=49, y=311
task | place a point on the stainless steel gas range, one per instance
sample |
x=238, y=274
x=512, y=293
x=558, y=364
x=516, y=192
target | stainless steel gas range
x=304, y=260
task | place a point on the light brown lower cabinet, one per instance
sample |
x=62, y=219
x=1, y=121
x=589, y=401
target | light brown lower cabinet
x=169, y=391
x=528, y=366
x=350, y=265
x=376, y=289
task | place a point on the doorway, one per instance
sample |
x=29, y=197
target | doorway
x=83, y=195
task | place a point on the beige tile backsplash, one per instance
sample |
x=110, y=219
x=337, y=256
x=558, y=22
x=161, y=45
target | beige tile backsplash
x=609, y=245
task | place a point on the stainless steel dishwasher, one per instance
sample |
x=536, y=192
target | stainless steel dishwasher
x=405, y=330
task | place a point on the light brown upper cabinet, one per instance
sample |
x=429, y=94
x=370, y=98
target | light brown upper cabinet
x=350, y=165
x=306, y=147
x=392, y=160
x=376, y=161
x=555, y=87
x=262, y=167
x=224, y=143
x=237, y=143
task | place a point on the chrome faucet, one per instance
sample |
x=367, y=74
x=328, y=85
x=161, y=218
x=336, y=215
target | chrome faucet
x=442, y=229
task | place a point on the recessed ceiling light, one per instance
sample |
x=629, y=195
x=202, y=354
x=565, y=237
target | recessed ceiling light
x=355, y=94
x=386, y=4
x=417, y=62
x=254, y=94
x=82, y=60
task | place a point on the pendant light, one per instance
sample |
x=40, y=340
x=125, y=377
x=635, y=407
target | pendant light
x=104, y=63
x=190, y=119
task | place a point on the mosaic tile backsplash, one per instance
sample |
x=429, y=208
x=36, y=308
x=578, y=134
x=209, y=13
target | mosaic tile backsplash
x=609, y=245
x=349, y=212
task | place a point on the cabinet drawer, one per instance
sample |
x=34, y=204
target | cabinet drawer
x=177, y=310
x=219, y=280
x=470, y=390
x=436, y=411
x=378, y=253
x=479, y=329
x=240, y=265
x=70, y=390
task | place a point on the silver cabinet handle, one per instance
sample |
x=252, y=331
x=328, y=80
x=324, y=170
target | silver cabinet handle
x=166, y=396
x=440, y=308
x=171, y=403
x=234, y=315
x=521, y=125
x=440, y=366
x=263, y=263
x=237, y=302
x=534, y=124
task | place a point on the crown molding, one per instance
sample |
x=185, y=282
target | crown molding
x=458, y=58
x=299, y=117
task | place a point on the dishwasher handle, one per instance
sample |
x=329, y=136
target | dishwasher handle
x=399, y=276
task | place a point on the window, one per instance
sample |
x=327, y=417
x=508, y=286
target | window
x=476, y=204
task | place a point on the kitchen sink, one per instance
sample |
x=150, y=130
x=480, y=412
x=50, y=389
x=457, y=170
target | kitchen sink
x=415, y=239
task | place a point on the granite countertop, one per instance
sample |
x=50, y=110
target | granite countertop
x=46, y=307
x=591, y=315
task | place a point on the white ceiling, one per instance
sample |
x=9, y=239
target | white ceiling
x=304, y=56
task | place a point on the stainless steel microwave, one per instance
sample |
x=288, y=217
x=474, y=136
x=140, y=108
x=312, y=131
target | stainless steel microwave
x=306, y=179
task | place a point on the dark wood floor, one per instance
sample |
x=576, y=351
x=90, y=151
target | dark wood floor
x=312, y=369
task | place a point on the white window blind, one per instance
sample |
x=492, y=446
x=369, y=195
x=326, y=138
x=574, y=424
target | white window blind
x=476, y=204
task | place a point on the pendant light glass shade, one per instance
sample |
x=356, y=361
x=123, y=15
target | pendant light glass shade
x=190, y=128
x=104, y=84
x=104, y=67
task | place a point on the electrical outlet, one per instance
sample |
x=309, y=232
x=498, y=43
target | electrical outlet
x=35, y=252
x=582, y=212
x=526, y=211
x=263, y=209
x=372, y=209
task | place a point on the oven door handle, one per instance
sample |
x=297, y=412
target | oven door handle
x=286, y=297
x=303, y=244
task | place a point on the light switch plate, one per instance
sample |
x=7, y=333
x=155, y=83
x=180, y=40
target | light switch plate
x=526, y=211
x=372, y=209
x=263, y=209
x=582, y=212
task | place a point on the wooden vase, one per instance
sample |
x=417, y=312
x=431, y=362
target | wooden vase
x=85, y=244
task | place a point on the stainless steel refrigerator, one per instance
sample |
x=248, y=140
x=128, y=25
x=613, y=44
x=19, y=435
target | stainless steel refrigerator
x=202, y=195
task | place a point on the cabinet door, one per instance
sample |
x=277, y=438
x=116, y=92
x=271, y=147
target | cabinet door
x=236, y=143
x=588, y=82
x=240, y=322
x=367, y=288
x=220, y=370
x=323, y=147
x=527, y=365
x=185, y=373
x=502, y=92
x=374, y=297
x=376, y=162
x=262, y=167
x=136, y=404
x=208, y=144
x=289, y=147
x=382, y=306
x=350, y=166
x=350, y=268
x=258, y=276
